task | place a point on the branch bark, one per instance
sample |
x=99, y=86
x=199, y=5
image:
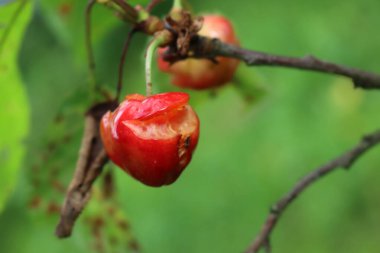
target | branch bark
x=346, y=160
x=204, y=47
x=91, y=160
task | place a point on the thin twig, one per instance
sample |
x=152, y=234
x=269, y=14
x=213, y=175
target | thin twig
x=267, y=246
x=345, y=161
x=203, y=47
x=130, y=13
x=108, y=185
x=122, y=62
x=10, y=25
x=89, y=49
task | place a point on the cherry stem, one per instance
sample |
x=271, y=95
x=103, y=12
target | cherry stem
x=130, y=13
x=89, y=49
x=177, y=4
x=122, y=62
x=153, y=45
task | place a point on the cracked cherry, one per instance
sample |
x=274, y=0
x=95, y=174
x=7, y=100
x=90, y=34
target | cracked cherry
x=201, y=73
x=151, y=138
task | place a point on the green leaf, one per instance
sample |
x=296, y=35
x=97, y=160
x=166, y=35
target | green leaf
x=13, y=102
x=50, y=74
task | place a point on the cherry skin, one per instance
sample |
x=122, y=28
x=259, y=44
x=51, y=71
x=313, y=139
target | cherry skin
x=202, y=73
x=151, y=138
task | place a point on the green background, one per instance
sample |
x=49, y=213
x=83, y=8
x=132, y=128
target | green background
x=249, y=153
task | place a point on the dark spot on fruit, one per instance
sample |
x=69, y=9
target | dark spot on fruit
x=187, y=142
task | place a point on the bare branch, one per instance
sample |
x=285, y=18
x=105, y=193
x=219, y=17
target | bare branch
x=344, y=161
x=90, y=52
x=210, y=48
x=203, y=47
x=91, y=160
x=122, y=62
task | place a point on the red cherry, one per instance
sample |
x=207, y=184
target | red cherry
x=203, y=74
x=151, y=138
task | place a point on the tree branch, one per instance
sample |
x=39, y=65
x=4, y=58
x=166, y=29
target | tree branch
x=210, y=48
x=91, y=160
x=345, y=161
x=204, y=47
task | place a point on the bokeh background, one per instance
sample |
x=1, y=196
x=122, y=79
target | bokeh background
x=251, y=151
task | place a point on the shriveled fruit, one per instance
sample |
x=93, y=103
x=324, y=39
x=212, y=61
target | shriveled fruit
x=201, y=73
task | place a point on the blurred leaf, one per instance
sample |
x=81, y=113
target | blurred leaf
x=66, y=19
x=249, y=85
x=51, y=76
x=344, y=98
x=14, y=111
x=58, y=97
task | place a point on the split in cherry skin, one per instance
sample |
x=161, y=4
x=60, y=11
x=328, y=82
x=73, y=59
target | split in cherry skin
x=151, y=138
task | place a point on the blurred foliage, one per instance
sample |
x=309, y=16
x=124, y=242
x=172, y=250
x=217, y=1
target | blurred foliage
x=13, y=115
x=249, y=153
